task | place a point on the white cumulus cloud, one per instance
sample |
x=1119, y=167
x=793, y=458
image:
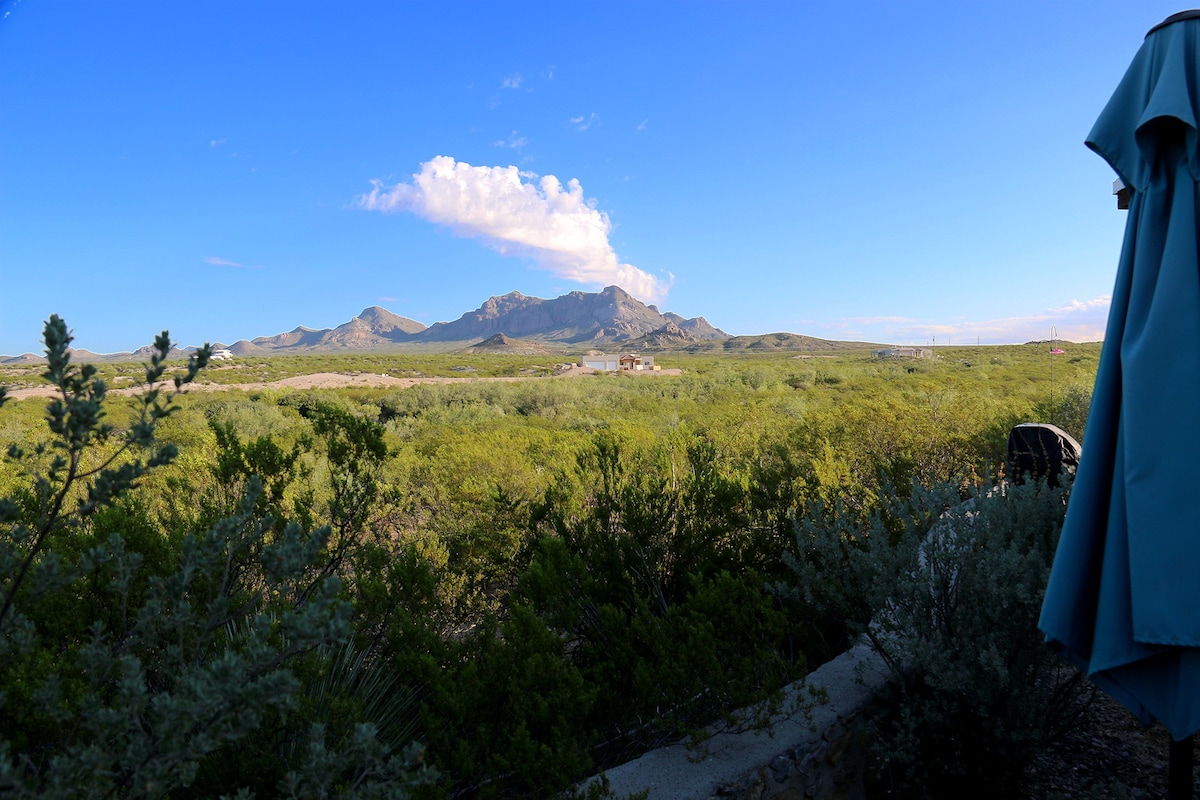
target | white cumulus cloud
x=543, y=220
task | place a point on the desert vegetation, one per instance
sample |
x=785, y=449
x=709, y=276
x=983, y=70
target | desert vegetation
x=489, y=589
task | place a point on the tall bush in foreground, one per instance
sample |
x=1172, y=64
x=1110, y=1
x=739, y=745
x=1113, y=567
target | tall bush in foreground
x=126, y=673
x=948, y=593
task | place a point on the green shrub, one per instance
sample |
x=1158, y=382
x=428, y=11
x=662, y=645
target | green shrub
x=949, y=593
x=511, y=716
x=165, y=670
x=1068, y=409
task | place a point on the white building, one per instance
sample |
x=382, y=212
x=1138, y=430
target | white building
x=601, y=362
x=630, y=362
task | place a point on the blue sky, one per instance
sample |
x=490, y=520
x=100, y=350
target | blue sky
x=897, y=172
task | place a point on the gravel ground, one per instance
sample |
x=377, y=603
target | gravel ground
x=1109, y=757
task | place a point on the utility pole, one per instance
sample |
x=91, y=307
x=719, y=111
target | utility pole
x=1053, y=336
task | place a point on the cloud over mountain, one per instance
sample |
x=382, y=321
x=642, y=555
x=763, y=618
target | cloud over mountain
x=554, y=226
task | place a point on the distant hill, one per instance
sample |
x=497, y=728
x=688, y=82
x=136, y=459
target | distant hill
x=668, y=337
x=513, y=323
x=778, y=341
x=695, y=328
x=680, y=334
x=142, y=354
x=383, y=321
x=375, y=328
x=27, y=358
x=514, y=347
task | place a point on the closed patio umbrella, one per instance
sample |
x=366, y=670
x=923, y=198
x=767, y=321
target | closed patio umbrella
x=1123, y=601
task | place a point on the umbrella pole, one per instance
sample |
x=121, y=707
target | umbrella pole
x=1179, y=769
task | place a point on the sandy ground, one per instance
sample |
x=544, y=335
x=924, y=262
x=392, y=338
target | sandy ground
x=337, y=380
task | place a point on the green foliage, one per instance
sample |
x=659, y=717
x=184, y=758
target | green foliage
x=1068, y=409
x=64, y=477
x=354, y=454
x=620, y=628
x=643, y=584
x=262, y=458
x=137, y=672
x=617, y=533
x=948, y=593
x=512, y=717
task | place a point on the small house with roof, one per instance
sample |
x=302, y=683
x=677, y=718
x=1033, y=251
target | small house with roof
x=630, y=362
x=636, y=363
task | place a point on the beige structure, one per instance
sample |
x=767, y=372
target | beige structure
x=630, y=362
x=905, y=352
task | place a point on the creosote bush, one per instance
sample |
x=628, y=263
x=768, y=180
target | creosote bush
x=135, y=669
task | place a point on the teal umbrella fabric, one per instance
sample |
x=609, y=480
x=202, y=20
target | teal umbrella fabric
x=1123, y=601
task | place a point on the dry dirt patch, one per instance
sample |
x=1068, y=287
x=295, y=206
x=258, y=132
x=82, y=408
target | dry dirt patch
x=335, y=380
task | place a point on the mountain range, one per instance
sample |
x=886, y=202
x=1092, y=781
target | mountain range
x=515, y=323
x=573, y=320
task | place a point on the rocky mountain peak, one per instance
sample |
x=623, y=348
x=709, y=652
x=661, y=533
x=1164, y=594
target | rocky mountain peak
x=499, y=340
x=381, y=321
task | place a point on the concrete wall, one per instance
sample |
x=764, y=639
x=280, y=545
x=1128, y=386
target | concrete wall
x=811, y=754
